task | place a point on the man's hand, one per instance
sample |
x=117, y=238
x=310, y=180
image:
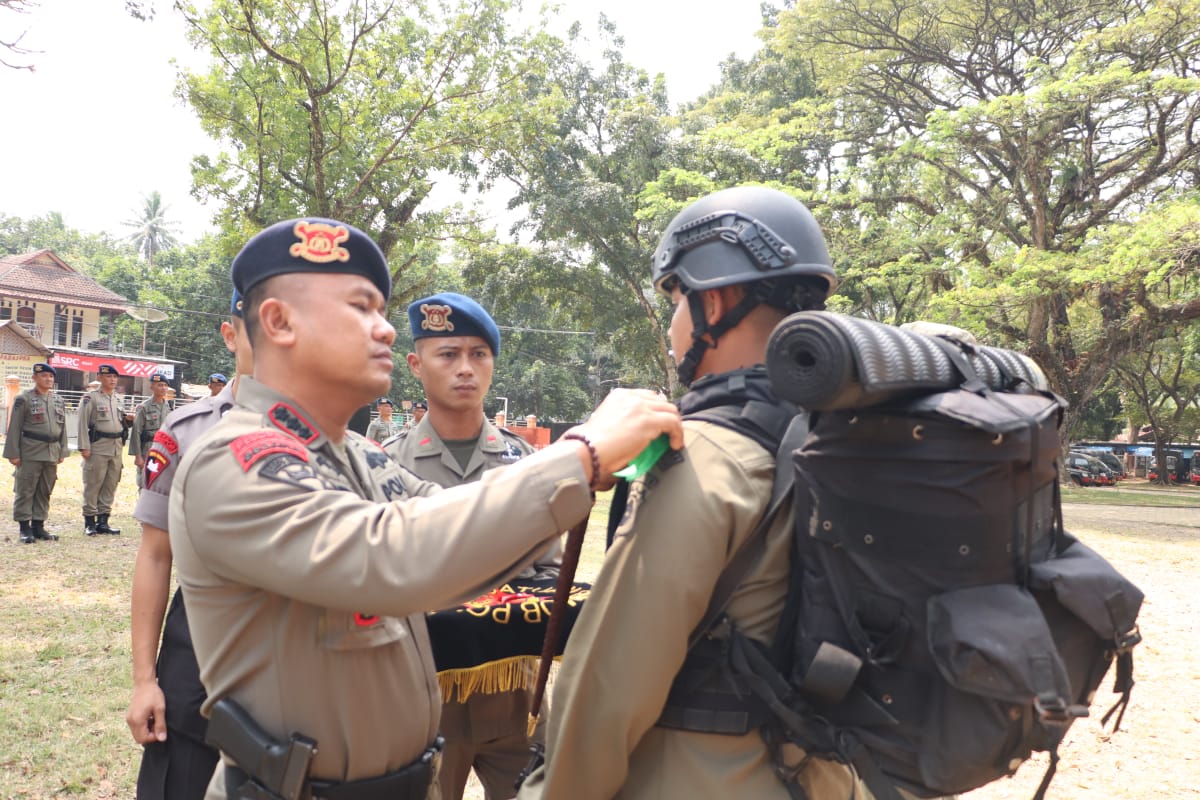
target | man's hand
x=147, y=714
x=85, y=453
x=622, y=426
x=16, y=462
x=139, y=462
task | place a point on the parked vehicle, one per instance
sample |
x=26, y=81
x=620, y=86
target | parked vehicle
x=1113, y=463
x=1096, y=473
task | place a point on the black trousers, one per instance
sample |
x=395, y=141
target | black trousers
x=181, y=767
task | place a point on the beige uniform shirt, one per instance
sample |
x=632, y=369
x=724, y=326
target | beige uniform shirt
x=307, y=568
x=146, y=422
x=381, y=429
x=683, y=523
x=103, y=413
x=44, y=416
x=420, y=450
x=181, y=427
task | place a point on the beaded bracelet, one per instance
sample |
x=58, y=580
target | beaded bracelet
x=579, y=437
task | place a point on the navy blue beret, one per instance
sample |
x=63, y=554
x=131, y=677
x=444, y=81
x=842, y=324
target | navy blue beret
x=156, y=378
x=451, y=314
x=38, y=368
x=235, y=304
x=107, y=369
x=216, y=376
x=383, y=401
x=421, y=405
x=312, y=244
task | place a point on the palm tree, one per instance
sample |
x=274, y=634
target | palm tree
x=153, y=232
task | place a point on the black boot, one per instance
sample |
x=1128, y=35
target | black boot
x=89, y=525
x=39, y=531
x=102, y=526
x=26, y=532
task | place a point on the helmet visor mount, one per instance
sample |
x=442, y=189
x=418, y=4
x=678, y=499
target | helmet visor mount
x=764, y=247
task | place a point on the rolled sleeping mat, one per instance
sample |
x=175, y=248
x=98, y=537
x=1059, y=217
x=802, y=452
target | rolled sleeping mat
x=823, y=361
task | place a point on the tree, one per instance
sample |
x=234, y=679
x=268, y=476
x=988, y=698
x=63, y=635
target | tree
x=987, y=148
x=1163, y=381
x=580, y=179
x=352, y=109
x=153, y=233
x=13, y=45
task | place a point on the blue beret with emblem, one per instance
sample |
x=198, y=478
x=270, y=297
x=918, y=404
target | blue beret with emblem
x=107, y=369
x=421, y=405
x=235, y=304
x=383, y=401
x=40, y=368
x=451, y=314
x=312, y=244
x=157, y=378
x=218, y=378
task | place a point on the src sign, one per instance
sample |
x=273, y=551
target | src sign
x=138, y=369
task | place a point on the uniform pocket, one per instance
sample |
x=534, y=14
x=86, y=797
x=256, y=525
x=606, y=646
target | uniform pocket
x=342, y=630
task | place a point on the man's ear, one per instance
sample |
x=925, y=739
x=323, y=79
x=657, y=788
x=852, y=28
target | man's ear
x=275, y=321
x=229, y=334
x=414, y=365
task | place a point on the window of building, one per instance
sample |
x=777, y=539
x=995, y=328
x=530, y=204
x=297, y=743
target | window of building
x=25, y=315
x=77, y=332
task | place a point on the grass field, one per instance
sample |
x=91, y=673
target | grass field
x=64, y=644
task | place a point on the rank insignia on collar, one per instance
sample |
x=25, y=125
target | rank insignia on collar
x=319, y=242
x=289, y=420
x=437, y=317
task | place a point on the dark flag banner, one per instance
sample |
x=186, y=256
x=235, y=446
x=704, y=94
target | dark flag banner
x=492, y=643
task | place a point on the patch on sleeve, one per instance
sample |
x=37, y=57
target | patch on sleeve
x=156, y=464
x=254, y=447
x=283, y=467
x=167, y=442
x=289, y=420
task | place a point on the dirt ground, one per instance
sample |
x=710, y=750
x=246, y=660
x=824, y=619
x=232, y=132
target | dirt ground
x=1156, y=754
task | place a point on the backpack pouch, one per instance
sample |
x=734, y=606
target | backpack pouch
x=1088, y=586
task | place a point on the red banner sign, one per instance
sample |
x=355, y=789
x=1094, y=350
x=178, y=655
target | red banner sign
x=138, y=369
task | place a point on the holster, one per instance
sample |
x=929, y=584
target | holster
x=407, y=783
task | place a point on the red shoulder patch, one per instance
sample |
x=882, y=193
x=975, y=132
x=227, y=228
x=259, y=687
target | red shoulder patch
x=253, y=447
x=167, y=441
x=156, y=463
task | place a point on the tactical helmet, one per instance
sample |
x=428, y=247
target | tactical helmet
x=739, y=235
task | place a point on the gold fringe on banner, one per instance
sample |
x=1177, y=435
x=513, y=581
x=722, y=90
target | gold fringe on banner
x=493, y=677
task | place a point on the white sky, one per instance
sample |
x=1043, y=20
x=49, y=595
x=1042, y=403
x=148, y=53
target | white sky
x=96, y=126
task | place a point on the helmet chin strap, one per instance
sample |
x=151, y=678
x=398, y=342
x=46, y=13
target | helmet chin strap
x=686, y=368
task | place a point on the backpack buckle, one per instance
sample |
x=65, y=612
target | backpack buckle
x=1125, y=642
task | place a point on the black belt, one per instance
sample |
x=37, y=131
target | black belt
x=106, y=435
x=407, y=783
x=39, y=437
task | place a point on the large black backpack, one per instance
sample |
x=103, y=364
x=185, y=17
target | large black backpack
x=941, y=625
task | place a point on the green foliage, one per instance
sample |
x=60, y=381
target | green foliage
x=153, y=233
x=353, y=109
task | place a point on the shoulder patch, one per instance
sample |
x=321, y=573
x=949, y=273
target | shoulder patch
x=253, y=447
x=156, y=464
x=166, y=441
x=285, y=469
x=290, y=421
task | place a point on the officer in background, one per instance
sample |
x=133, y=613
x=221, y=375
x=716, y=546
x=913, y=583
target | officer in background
x=146, y=421
x=456, y=343
x=383, y=427
x=216, y=384
x=418, y=413
x=734, y=264
x=101, y=423
x=164, y=712
x=36, y=445
x=308, y=558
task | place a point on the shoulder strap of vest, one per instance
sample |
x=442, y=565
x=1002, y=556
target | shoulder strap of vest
x=751, y=551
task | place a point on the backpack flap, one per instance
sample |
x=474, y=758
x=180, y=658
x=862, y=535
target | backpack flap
x=998, y=415
x=1086, y=586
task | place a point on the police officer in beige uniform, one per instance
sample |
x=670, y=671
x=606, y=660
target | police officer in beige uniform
x=307, y=558
x=383, y=427
x=609, y=735
x=36, y=445
x=164, y=711
x=456, y=343
x=146, y=421
x=101, y=422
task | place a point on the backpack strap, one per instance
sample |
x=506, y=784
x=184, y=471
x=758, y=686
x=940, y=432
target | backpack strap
x=751, y=550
